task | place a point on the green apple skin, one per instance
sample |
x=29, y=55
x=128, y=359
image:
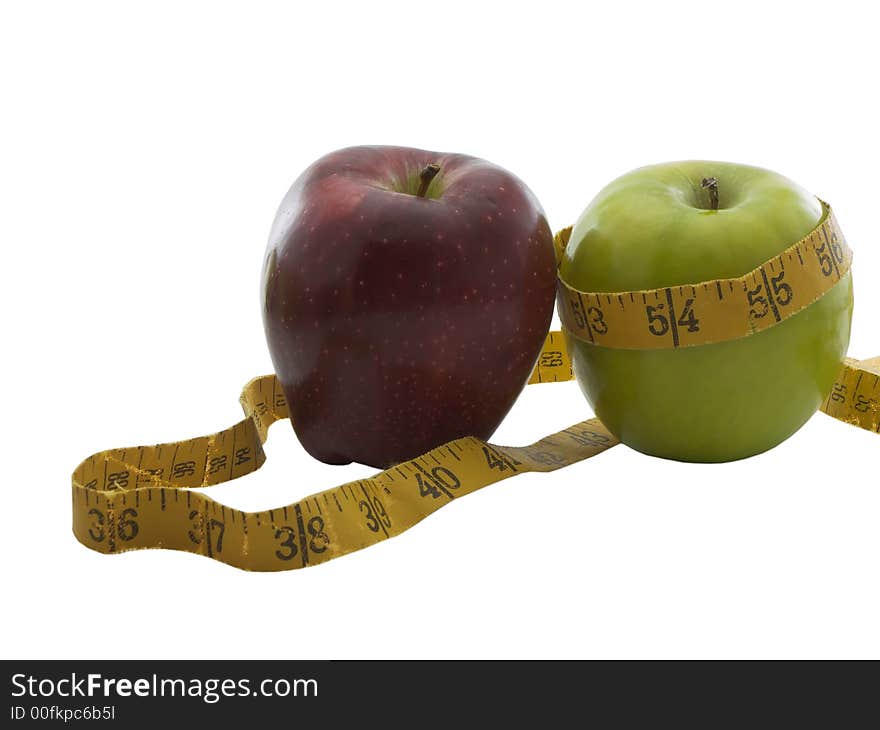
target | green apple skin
x=653, y=228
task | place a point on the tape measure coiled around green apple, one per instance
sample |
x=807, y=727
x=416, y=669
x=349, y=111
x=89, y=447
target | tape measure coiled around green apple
x=710, y=311
x=143, y=496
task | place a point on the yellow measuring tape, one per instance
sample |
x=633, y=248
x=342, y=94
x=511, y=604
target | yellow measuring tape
x=711, y=311
x=142, y=496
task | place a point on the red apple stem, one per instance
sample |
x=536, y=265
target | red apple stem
x=711, y=184
x=428, y=173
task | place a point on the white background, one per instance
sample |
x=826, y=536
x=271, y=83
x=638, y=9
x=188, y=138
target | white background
x=145, y=147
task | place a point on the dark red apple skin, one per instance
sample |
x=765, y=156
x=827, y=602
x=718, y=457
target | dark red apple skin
x=396, y=323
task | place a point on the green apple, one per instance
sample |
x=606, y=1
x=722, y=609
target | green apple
x=658, y=226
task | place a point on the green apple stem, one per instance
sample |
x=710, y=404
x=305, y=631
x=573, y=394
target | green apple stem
x=428, y=173
x=711, y=184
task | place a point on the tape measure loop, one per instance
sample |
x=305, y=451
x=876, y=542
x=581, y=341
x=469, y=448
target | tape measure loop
x=711, y=311
x=143, y=497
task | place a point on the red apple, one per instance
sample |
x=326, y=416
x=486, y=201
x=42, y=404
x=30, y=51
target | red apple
x=406, y=295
